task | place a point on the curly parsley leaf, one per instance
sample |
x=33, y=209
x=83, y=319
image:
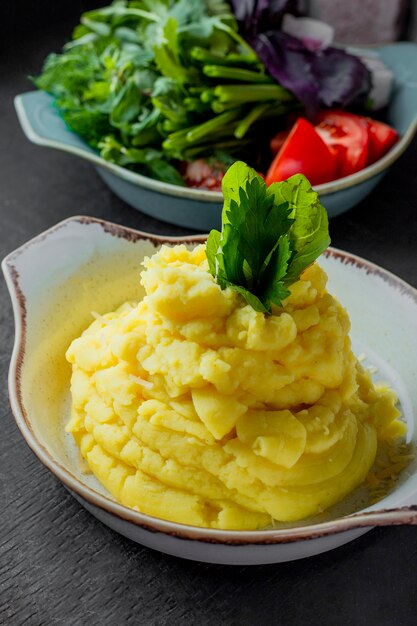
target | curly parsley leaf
x=269, y=236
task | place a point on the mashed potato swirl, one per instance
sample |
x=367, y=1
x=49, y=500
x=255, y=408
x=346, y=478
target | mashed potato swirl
x=193, y=407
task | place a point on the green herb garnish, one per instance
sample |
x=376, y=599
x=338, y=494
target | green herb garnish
x=150, y=82
x=270, y=235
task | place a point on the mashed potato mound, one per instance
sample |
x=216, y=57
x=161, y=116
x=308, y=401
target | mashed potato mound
x=193, y=407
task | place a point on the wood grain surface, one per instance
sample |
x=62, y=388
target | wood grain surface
x=58, y=565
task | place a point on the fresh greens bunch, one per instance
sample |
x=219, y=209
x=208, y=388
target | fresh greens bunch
x=149, y=82
x=270, y=235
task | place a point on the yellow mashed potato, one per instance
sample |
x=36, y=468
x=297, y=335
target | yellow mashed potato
x=193, y=407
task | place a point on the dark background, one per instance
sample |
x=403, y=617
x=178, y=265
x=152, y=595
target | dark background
x=58, y=565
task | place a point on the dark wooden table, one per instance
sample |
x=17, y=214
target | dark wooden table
x=58, y=565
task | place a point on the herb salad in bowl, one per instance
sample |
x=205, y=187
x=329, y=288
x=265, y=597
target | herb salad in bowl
x=214, y=409
x=164, y=96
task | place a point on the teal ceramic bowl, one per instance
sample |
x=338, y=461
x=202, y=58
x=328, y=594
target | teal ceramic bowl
x=201, y=210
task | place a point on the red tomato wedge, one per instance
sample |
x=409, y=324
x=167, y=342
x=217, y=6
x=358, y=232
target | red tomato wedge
x=348, y=135
x=303, y=152
x=381, y=139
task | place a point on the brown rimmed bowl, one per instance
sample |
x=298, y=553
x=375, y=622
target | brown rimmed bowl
x=83, y=265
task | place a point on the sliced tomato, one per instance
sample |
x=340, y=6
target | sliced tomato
x=381, y=139
x=348, y=135
x=303, y=152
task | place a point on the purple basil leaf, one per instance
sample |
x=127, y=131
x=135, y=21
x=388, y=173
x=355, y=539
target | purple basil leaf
x=329, y=77
x=342, y=77
x=257, y=16
x=289, y=61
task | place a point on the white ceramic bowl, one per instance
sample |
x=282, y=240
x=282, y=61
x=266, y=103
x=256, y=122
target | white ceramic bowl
x=83, y=264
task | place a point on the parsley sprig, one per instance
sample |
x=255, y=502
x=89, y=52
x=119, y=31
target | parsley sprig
x=269, y=236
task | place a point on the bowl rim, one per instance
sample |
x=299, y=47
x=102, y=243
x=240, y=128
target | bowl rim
x=406, y=514
x=202, y=195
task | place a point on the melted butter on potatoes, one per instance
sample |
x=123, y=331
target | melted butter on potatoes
x=193, y=407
